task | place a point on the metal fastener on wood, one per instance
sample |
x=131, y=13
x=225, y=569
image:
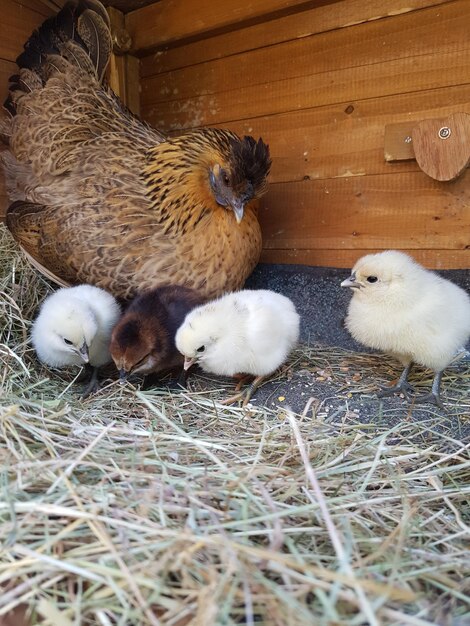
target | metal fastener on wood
x=408, y=139
x=445, y=132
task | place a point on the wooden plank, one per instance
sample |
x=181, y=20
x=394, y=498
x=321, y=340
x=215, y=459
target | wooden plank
x=407, y=210
x=398, y=142
x=432, y=258
x=438, y=31
x=127, y=5
x=343, y=141
x=117, y=62
x=296, y=26
x=168, y=21
x=18, y=21
x=133, y=83
x=442, y=145
x=124, y=71
x=46, y=8
x=419, y=73
x=124, y=80
x=7, y=68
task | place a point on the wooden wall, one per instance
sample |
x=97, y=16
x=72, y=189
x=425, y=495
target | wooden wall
x=18, y=18
x=320, y=81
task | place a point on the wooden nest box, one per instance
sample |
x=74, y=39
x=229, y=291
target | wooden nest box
x=365, y=105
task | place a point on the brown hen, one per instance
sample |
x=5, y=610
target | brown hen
x=101, y=198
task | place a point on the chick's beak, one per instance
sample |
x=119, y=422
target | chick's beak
x=351, y=282
x=83, y=353
x=238, y=207
x=188, y=362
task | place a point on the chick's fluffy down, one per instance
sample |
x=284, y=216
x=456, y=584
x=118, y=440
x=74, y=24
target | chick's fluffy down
x=249, y=332
x=71, y=317
x=409, y=312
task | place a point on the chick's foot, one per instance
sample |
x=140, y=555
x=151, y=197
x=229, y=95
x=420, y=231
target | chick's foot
x=402, y=386
x=93, y=386
x=246, y=394
x=434, y=396
x=430, y=398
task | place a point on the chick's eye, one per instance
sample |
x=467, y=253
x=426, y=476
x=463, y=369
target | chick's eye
x=372, y=279
x=201, y=349
x=68, y=342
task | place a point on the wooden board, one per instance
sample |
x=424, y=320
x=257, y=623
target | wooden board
x=297, y=26
x=436, y=31
x=431, y=258
x=127, y=5
x=343, y=140
x=168, y=21
x=17, y=23
x=123, y=70
x=423, y=72
x=368, y=212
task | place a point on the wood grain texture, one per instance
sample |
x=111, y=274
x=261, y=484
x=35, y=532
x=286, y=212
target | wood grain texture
x=128, y=5
x=342, y=140
x=397, y=43
x=398, y=142
x=422, y=72
x=432, y=258
x=442, y=146
x=368, y=212
x=124, y=69
x=17, y=22
x=297, y=26
x=168, y=21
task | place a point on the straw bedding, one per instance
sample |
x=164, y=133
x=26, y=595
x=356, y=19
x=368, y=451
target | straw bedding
x=156, y=507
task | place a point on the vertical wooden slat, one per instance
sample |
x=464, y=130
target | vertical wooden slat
x=123, y=67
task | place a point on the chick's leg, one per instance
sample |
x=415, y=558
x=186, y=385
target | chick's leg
x=245, y=395
x=92, y=386
x=402, y=386
x=435, y=394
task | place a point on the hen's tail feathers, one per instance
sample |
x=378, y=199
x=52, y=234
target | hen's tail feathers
x=22, y=221
x=84, y=22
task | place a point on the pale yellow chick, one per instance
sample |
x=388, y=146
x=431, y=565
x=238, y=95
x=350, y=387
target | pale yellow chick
x=409, y=312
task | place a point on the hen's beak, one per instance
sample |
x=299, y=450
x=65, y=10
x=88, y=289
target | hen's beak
x=123, y=376
x=83, y=353
x=188, y=362
x=351, y=282
x=238, y=207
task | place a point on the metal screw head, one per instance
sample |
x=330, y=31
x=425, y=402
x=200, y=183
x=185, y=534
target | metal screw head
x=445, y=132
x=408, y=139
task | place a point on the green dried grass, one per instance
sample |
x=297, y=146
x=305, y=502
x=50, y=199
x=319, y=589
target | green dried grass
x=135, y=508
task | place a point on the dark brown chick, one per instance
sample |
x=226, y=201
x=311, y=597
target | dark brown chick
x=143, y=341
x=101, y=198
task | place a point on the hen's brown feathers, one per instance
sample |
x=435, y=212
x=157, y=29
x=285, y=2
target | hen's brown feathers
x=102, y=198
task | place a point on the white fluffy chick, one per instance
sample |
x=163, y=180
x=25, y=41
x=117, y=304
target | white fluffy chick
x=245, y=332
x=409, y=312
x=74, y=327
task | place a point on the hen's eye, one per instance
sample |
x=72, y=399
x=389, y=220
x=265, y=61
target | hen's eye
x=226, y=179
x=68, y=342
x=201, y=349
x=372, y=279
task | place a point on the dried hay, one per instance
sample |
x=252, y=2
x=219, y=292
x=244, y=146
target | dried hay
x=144, y=508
